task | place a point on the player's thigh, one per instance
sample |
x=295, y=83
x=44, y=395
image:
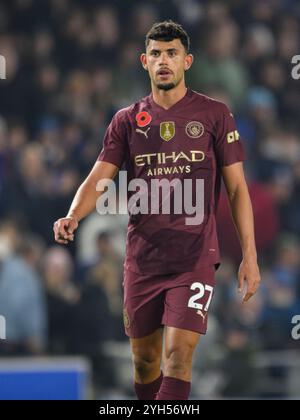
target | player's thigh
x=180, y=343
x=148, y=348
x=144, y=298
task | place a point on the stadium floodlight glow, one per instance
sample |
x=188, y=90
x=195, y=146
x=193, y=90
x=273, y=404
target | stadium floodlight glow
x=2, y=328
x=296, y=68
x=2, y=67
x=159, y=196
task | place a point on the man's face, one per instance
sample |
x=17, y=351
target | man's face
x=166, y=63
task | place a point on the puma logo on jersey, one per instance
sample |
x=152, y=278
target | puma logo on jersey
x=202, y=315
x=138, y=130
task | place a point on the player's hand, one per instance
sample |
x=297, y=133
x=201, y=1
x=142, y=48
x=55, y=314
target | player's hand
x=64, y=229
x=249, y=274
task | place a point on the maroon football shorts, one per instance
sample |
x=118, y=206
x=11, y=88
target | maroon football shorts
x=179, y=300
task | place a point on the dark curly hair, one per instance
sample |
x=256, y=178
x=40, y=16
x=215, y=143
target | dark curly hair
x=167, y=31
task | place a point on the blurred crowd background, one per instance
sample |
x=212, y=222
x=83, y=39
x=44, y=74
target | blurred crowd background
x=70, y=66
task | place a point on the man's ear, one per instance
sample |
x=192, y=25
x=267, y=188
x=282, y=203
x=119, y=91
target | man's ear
x=143, y=59
x=189, y=59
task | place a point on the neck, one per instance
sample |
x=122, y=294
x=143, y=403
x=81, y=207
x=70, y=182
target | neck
x=167, y=98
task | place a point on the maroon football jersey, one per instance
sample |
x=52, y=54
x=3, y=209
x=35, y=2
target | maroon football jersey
x=191, y=140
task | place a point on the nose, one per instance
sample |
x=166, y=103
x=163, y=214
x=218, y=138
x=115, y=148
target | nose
x=163, y=59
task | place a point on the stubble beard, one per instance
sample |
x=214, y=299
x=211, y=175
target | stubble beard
x=166, y=86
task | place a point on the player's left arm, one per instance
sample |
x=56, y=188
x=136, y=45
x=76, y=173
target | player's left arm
x=241, y=210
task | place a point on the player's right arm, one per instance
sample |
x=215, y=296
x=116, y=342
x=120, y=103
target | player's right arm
x=84, y=201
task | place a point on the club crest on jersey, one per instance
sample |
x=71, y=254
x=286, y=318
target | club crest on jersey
x=143, y=119
x=194, y=129
x=126, y=319
x=167, y=130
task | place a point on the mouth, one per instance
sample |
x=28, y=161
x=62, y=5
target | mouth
x=164, y=72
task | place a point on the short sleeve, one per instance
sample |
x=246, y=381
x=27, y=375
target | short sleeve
x=114, y=142
x=229, y=146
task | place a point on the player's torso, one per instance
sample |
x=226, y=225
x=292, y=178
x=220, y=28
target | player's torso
x=174, y=143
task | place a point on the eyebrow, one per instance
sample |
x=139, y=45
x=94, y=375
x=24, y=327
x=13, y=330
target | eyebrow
x=169, y=50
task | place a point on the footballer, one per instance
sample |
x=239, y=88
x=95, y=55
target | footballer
x=169, y=268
